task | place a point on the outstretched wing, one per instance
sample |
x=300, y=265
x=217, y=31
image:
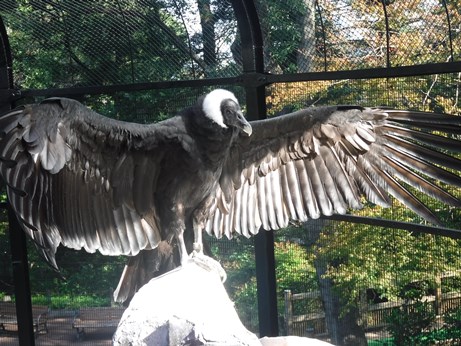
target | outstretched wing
x=80, y=179
x=321, y=161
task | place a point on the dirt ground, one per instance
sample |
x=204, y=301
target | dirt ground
x=60, y=332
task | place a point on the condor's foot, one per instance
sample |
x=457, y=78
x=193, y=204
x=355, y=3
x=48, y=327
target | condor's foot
x=208, y=263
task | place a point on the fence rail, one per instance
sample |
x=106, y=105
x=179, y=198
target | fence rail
x=373, y=315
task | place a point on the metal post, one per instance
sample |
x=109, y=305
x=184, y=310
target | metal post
x=21, y=281
x=6, y=73
x=288, y=311
x=17, y=236
x=254, y=81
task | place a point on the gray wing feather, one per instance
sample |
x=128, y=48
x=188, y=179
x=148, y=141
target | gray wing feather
x=325, y=160
x=77, y=178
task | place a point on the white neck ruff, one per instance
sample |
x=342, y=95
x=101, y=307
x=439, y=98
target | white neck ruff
x=212, y=105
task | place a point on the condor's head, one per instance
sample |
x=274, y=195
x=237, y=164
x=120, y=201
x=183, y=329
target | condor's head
x=223, y=109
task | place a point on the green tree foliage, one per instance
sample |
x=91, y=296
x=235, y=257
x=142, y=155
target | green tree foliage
x=289, y=33
x=414, y=322
x=294, y=271
x=81, y=274
x=67, y=43
x=412, y=319
x=91, y=44
x=363, y=256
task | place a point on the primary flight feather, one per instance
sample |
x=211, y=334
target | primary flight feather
x=86, y=181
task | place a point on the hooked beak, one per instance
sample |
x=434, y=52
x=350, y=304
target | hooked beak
x=244, y=124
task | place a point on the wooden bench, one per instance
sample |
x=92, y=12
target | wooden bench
x=8, y=317
x=105, y=317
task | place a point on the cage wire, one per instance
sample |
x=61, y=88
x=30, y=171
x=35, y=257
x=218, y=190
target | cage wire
x=62, y=43
x=106, y=43
x=122, y=42
x=438, y=93
x=150, y=106
x=312, y=36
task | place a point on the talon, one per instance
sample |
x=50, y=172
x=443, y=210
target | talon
x=198, y=248
x=208, y=263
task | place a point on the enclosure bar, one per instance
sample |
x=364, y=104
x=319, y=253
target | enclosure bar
x=450, y=32
x=388, y=35
x=6, y=70
x=17, y=235
x=288, y=297
x=380, y=72
x=324, y=37
x=244, y=79
x=254, y=81
x=110, y=89
x=21, y=281
x=128, y=38
x=408, y=226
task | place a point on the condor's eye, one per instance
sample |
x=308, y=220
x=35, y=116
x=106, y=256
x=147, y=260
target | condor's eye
x=228, y=111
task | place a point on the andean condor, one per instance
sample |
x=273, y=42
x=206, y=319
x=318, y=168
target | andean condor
x=87, y=181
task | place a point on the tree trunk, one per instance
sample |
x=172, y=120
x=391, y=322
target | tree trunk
x=344, y=329
x=207, y=21
x=306, y=50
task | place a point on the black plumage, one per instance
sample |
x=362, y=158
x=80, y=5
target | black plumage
x=86, y=181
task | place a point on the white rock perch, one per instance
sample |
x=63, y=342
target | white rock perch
x=187, y=306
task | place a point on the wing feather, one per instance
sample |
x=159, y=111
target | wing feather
x=428, y=154
x=151, y=230
x=408, y=199
x=309, y=198
x=270, y=207
x=419, y=182
x=238, y=213
x=317, y=191
x=294, y=186
x=340, y=186
x=333, y=202
x=280, y=210
x=325, y=160
x=217, y=223
x=262, y=202
x=253, y=213
x=112, y=241
x=86, y=215
x=288, y=199
x=102, y=224
x=83, y=180
x=245, y=208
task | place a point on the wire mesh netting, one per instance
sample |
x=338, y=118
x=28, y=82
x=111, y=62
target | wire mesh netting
x=106, y=42
x=372, y=275
x=310, y=36
x=372, y=267
x=103, y=43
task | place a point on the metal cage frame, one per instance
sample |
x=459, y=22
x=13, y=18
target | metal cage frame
x=254, y=79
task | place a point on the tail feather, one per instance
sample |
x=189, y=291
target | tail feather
x=141, y=268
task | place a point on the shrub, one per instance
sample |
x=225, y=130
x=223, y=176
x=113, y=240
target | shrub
x=412, y=320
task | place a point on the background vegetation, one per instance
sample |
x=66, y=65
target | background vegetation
x=57, y=44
